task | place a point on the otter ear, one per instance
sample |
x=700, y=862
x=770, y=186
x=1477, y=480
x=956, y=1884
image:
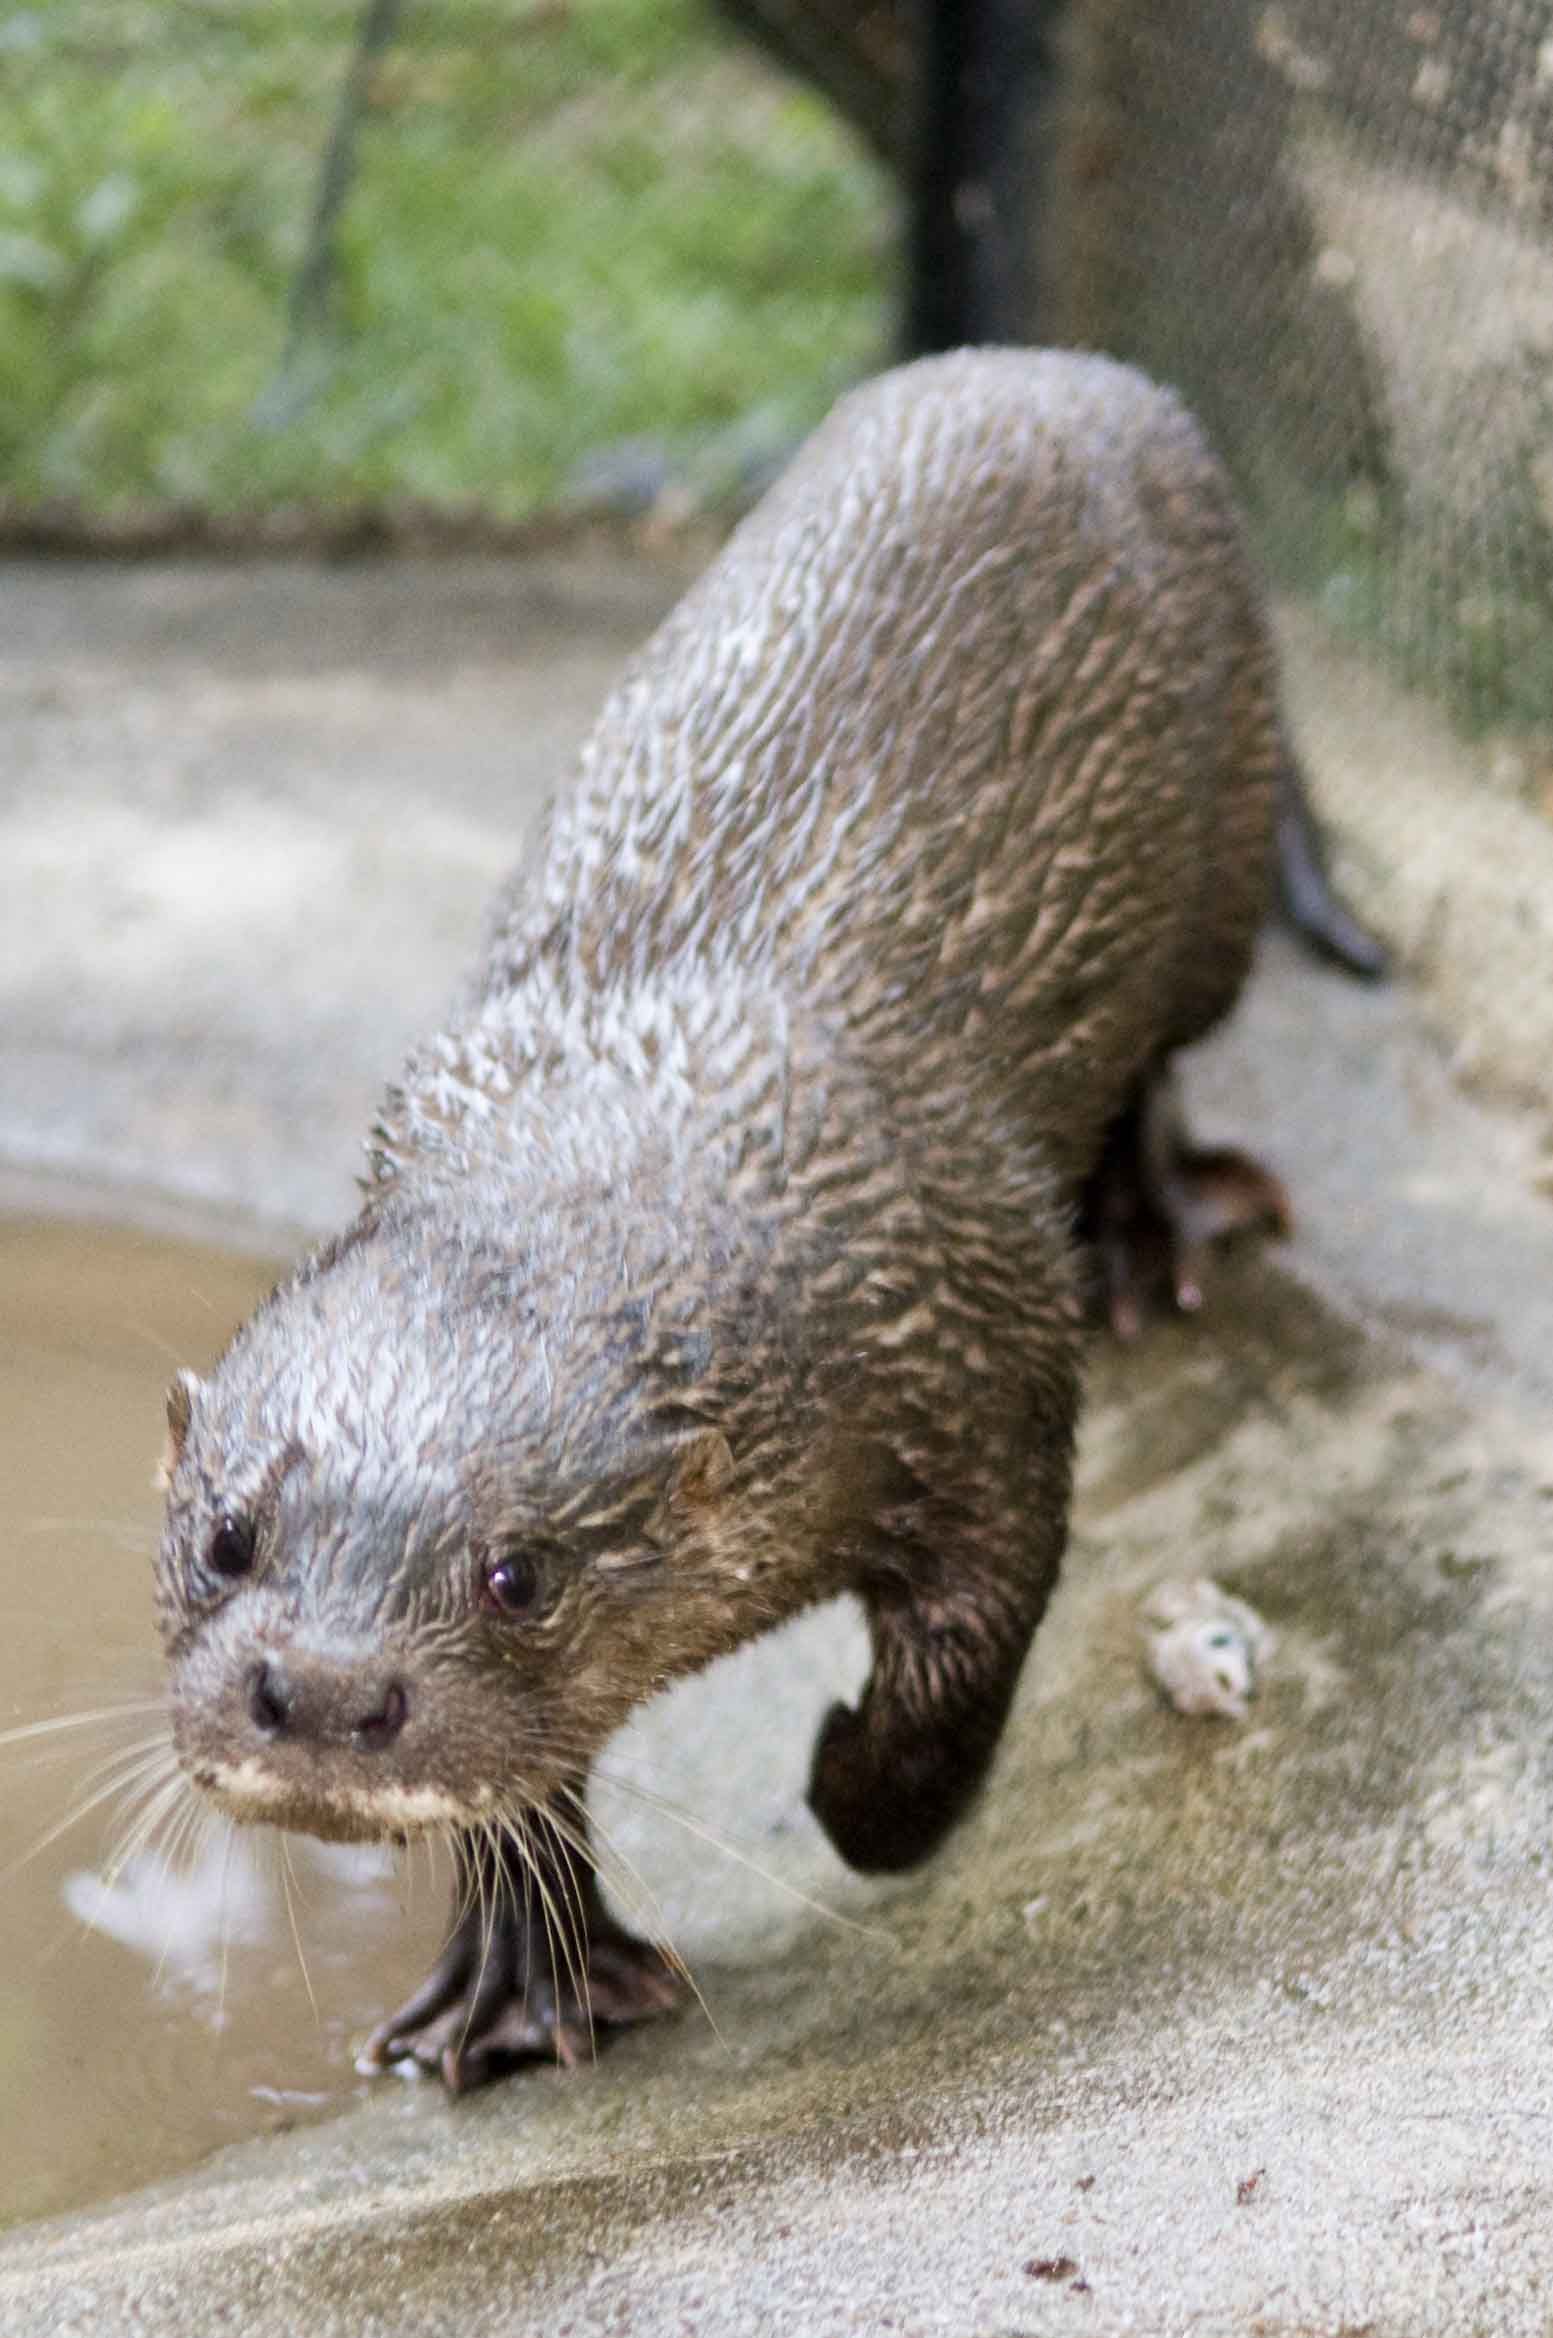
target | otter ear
x=180, y=1411
x=703, y=1470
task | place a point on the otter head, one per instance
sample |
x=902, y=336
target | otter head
x=433, y=1530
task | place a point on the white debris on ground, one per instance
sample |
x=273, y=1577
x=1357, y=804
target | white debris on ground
x=1205, y=1648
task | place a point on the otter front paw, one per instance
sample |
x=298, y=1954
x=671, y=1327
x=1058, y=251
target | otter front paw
x=499, y=1995
x=879, y=1822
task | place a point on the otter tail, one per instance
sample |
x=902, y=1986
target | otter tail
x=1305, y=892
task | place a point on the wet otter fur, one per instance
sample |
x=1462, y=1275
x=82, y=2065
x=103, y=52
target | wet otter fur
x=721, y=1255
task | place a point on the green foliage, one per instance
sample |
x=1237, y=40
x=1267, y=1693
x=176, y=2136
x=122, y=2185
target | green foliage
x=572, y=221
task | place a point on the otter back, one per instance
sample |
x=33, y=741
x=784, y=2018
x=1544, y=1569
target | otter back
x=720, y=1255
x=970, y=735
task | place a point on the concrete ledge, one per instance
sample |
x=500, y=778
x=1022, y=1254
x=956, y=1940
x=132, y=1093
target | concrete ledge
x=1247, y=2023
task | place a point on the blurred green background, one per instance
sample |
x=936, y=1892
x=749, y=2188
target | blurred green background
x=572, y=223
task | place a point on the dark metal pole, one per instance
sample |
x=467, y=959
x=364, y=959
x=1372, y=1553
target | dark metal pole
x=985, y=74
x=312, y=289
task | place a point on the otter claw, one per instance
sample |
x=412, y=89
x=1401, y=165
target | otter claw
x=535, y=1967
x=466, y=2026
x=1157, y=1202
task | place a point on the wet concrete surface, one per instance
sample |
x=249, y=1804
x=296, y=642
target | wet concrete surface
x=1195, y=2027
x=251, y=820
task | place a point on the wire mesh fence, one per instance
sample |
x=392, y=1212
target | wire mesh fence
x=1331, y=225
x=618, y=255
x=1330, y=222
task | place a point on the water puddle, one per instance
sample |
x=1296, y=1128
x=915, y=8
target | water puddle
x=147, y=2017
x=155, y=2008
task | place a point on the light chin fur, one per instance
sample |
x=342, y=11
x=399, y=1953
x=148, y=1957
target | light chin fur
x=251, y=1794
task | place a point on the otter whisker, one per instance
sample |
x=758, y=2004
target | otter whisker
x=554, y=1747
x=173, y=1852
x=524, y=1870
x=416, y=1846
x=116, y=1773
x=160, y=1803
x=714, y=1841
x=560, y=1941
x=145, y=1785
x=595, y=1848
x=287, y=1878
x=133, y=1792
x=643, y=1902
x=533, y=1892
x=488, y=1884
x=133, y=1795
x=573, y=1907
x=152, y=1756
x=590, y=1838
x=298, y=1874
x=564, y=1935
x=404, y=1871
x=186, y=1829
x=447, y=1835
x=574, y=1851
x=97, y=1717
x=454, y=1843
x=158, y=1740
x=140, y=1763
x=465, y=1874
x=225, y=1914
x=486, y=1880
x=125, y=1762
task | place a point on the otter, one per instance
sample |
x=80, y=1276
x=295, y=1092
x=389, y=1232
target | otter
x=726, y=1250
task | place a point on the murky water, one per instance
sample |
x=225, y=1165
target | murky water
x=154, y=2011
x=144, y=2025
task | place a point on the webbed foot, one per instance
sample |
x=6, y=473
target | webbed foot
x=534, y=1969
x=1156, y=1202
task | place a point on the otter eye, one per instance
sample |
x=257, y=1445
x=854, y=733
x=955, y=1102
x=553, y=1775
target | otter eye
x=230, y=1550
x=512, y=1583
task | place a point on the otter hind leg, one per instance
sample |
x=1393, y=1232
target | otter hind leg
x=534, y=1968
x=1155, y=1202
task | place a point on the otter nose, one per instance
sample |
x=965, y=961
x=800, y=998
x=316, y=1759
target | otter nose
x=271, y=1699
x=323, y=1703
x=382, y=1725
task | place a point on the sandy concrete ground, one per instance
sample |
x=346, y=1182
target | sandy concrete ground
x=1196, y=2027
